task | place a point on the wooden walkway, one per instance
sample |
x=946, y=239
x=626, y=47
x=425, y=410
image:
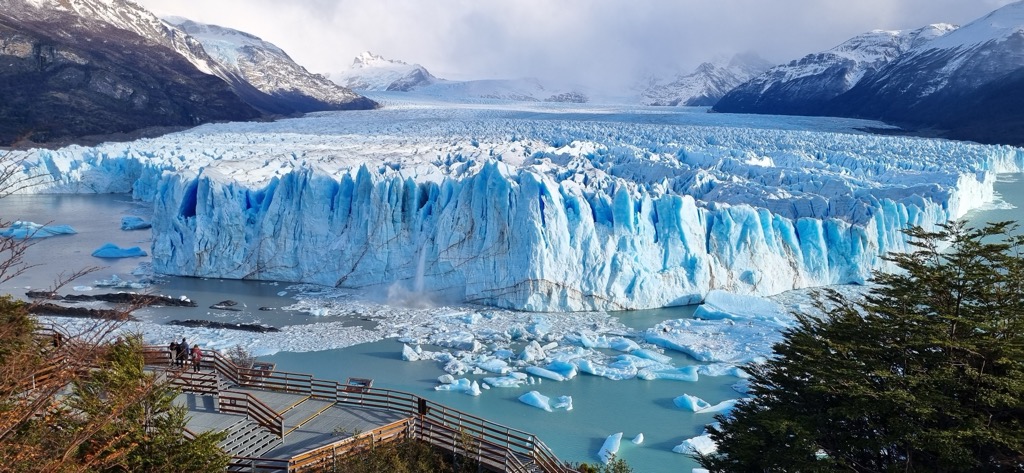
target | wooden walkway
x=290, y=422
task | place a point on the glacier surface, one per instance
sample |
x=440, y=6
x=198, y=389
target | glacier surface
x=539, y=207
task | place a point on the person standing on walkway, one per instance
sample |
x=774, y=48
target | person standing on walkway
x=182, y=352
x=197, y=356
x=173, y=348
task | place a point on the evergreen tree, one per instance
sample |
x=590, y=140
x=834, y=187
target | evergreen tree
x=925, y=374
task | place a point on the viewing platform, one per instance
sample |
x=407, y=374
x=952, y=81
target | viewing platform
x=289, y=422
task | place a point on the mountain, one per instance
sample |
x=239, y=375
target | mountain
x=69, y=69
x=804, y=86
x=372, y=72
x=966, y=84
x=281, y=85
x=707, y=84
x=961, y=83
x=74, y=68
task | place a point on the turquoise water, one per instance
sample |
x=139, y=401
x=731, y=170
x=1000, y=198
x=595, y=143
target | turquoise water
x=601, y=407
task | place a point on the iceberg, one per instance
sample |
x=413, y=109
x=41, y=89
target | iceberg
x=610, y=447
x=462, y=385
x=544, y=373
x=111, y=250
x=24, y=229
x=639, y=439
x=509, y=208
x=513, y=380
x=691, y=403
x=701, y=444
x=536, y=399
x=134, y=223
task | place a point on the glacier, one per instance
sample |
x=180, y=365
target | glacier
x=537, y=207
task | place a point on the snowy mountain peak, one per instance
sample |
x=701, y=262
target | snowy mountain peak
x=372, y=72
x=706, y=84
x=997, y=26
x=368, y=59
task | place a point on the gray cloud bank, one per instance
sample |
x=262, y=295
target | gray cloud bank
x=610, y=42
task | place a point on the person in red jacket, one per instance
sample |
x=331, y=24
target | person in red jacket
x=197, y=356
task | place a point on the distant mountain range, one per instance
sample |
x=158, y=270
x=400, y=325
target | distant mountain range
x=957, y=82
x=705, y=85
x=370, y=72
x=75, y=68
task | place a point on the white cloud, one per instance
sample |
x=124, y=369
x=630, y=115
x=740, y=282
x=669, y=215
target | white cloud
x=580, y=41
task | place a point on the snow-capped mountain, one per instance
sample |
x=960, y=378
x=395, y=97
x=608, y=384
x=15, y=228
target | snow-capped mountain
x=963, y=83
x=373, y=72
x=969, y=82
x=242, y=57
x=706, y=84
x=115, y=61
x=804, y=86
x=80, y=67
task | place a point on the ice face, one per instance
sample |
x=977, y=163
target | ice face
x=525, y=208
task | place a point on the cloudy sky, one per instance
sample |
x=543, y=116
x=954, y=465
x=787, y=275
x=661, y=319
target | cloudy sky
x=571, y=41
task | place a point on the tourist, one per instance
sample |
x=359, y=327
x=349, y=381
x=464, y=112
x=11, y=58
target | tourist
x=173, y=348
x=182, y=352
x=197, y=356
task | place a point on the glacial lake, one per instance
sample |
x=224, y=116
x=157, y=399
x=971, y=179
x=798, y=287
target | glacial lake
x=601, y=407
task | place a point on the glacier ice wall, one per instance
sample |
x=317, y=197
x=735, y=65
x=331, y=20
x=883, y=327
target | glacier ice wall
x=574, y=210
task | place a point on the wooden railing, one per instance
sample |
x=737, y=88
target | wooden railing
x=246, y=404
x=492, y=444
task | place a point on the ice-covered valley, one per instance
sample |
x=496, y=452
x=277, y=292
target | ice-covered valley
x=407, y=219
x=539, y=207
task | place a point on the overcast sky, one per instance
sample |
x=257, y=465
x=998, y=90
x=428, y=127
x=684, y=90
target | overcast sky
x=572, y=41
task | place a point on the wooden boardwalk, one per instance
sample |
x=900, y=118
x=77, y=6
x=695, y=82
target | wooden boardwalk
x=290, y=422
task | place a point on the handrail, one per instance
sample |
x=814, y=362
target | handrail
x=506, y=447
x=249, y=405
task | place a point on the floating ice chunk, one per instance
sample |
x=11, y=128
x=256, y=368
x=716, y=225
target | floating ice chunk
x=461, y=385
x=494, y=365
x=282, y=293
x=686, y=373
x=742, y=387
x=25, y=229
x=513, y=380
x=723, y=407
x=111, y=250
x=720, y=304
x=566, y=369
x=470, y=318
x=458, y=340
x=623, y=344
x=408, y=354
x=722, y=369
x=698, y=405
x=503, y=354
x=134, y=223
x=701, y=444
x=651, y=355
x=613, y=373
x=610, y=447
x=724, y=341
x=639, y=439
x=691, y=403
x=446, y=379
x=544, y=373
x=536, y=399
x=82, y=288
x=532, y=352
x=539, y=326
x=563, y=402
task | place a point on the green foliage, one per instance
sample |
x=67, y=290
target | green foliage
x=614, y=465
x=142, y=431
x=925, y=374
x=404, y=456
